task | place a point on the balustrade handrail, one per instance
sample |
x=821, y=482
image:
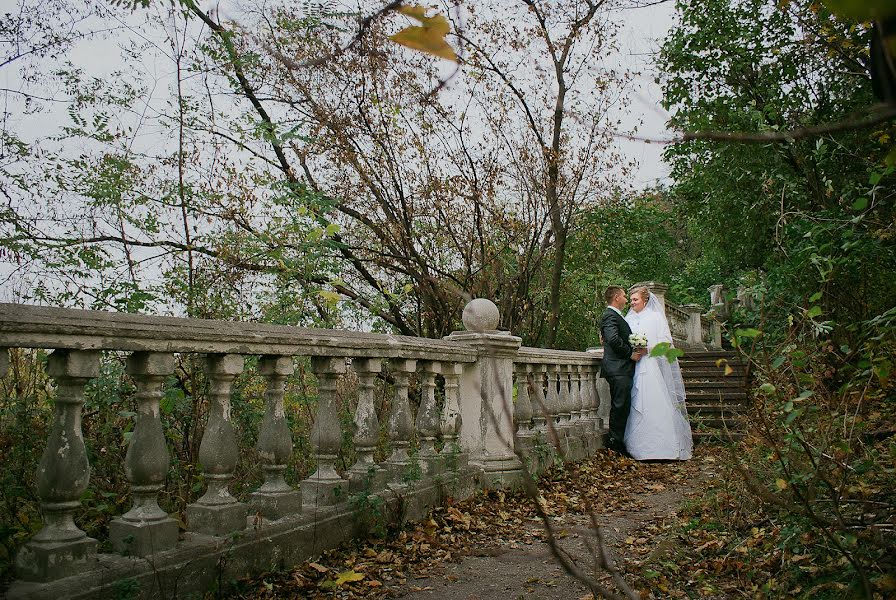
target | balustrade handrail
x=548, y=356
x=29, y=326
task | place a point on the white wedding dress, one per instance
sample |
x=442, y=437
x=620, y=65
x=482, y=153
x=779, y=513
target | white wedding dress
x=657, y=426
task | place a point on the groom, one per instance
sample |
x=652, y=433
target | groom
x=618, y=366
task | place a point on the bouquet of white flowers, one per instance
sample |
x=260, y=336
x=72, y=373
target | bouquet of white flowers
x=637, y=340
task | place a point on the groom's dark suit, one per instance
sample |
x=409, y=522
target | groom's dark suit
x=618, y=369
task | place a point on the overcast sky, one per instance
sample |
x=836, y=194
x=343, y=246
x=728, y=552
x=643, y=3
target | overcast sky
x=640, y=38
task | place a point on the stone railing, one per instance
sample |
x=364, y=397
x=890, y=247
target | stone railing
x=690, y=328
x=467, y=432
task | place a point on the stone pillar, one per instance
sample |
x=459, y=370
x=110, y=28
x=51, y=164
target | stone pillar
x=401, y=425
x=365, y=474
x=275, y=498
x=427, y=423
x=325, y=488
x=146, y=528
x=540, y=414
x=217, y=512
x=61, y=549
x=455, y=458
x=486, y=394
x=695, y=329
x=716, y=332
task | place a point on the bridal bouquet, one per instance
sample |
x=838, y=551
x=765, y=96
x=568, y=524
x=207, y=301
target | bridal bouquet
x=638, y=340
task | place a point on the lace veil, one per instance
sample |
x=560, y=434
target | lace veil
x=661, y=333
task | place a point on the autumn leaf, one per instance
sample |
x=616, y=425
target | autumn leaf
x=427, y=37
x=348, y=576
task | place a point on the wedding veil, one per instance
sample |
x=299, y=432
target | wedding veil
x=671, y=371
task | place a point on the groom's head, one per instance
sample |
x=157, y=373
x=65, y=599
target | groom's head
x=615, y=297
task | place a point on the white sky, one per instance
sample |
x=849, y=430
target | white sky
x=640, y=38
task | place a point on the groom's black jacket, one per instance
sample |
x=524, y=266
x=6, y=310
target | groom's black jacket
x=617, y=349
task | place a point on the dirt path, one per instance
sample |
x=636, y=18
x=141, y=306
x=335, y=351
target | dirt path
x=524, y=566
x=493, y=545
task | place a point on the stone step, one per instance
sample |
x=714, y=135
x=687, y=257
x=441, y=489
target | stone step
x=720, y=423
x=716, y=394
x=695, y=363
x=697, y=384
x=714, y=436
x=713, y=372
x=704, y=407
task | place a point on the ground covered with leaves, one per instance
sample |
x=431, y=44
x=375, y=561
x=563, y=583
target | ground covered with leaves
x=675, y=530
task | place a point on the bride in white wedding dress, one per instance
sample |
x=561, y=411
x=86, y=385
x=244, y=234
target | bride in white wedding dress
x=657, y=426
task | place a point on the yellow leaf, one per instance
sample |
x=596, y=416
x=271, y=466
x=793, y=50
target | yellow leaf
x=428, y=37
x=330, y=297
x=347, y=576
x=782, y=485
x=728, y=370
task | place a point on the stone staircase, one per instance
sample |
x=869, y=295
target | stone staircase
x=717, y=403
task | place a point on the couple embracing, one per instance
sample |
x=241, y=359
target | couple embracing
x=648, y=417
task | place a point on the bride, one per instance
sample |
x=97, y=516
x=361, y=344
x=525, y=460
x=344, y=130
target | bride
x=658, y=425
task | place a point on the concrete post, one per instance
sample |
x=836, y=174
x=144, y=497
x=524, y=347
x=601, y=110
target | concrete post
x=146, y=528
x=217, y=512
x=695, y=329
x=275, y=498
x=61, y=549
x=365, y=474
x=325, y=488
x=487, y=395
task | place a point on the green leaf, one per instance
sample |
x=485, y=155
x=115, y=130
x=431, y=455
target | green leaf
x=748, y=332
x=814, y=312
x=778, y=362
x=767, y=388
x=860, y=204
x=815, y=297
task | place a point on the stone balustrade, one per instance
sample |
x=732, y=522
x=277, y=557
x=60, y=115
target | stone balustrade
x=470, y=430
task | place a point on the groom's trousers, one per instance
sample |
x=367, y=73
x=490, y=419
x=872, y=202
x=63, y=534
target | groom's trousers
x=620, y=406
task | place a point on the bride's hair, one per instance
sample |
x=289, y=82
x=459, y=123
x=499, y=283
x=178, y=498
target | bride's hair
x=643, y=292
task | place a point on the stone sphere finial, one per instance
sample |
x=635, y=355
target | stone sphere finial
x=481, y=314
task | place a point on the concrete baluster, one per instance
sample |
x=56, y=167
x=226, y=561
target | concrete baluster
x=553, y=397
x=217, y=512
x=540, y=410
x=275, y=498
x=401, y=425
x=428, y=420
x=146, y=528
x=454, y=458
x=325, y=488
x=522, y=413
x=61, y=549
x=365, y=474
